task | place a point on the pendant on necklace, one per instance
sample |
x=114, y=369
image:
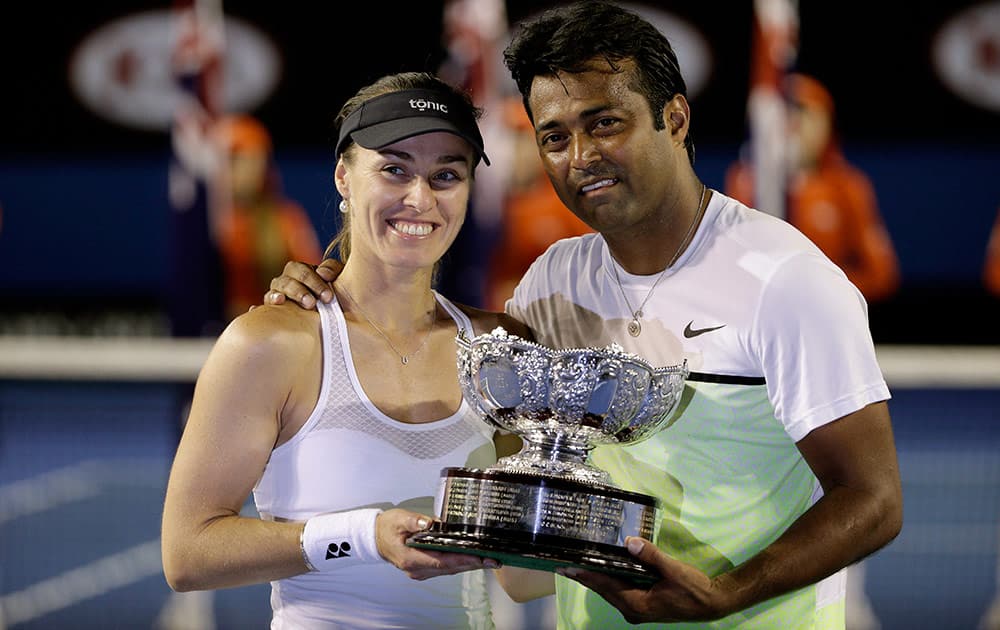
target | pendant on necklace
x=404, y=359
x=634, y=327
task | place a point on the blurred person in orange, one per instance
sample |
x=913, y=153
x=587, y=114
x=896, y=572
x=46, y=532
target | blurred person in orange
x=991, y=270
x=262, y=228
x=830, y=200
x=534, y=217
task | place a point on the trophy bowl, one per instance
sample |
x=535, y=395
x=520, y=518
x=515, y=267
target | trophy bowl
x=546, y=507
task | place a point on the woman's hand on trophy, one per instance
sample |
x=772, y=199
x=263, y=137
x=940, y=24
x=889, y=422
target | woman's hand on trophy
x=682, y=594
x=393, y=527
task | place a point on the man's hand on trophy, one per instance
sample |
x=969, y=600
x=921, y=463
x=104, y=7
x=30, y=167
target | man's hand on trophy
x=393, y=527
x=304, y=284
x=682, y=594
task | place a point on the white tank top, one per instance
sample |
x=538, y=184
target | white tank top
x=349, y=455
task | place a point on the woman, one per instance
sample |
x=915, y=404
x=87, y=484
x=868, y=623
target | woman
x=339, y=420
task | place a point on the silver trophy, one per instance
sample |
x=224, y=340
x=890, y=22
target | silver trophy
x=546, y=507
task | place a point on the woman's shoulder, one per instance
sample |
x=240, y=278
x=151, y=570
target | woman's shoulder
x=273, y=329
x=263, y=360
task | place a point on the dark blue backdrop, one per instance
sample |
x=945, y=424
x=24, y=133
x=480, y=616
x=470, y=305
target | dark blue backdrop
x=80, y=230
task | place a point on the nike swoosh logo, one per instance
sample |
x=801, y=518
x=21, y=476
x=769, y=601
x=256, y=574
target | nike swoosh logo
x=694, y=332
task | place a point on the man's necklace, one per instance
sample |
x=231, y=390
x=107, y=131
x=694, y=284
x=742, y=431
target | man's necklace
x=403, y=358
x=635, y=326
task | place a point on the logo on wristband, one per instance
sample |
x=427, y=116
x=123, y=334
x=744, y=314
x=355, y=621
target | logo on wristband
x=338, y=551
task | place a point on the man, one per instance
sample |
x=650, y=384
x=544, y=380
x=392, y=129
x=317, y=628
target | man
x=780, y=469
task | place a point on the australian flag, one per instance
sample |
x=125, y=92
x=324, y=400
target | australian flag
x=775, y=47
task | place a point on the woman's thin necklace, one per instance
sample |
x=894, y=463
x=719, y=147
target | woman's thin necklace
x=635, y=326
x=403, y=358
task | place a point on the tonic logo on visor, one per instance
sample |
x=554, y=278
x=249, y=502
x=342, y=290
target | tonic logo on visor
x=422, y=105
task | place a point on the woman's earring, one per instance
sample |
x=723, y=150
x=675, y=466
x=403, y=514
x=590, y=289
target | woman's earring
x=343, y=206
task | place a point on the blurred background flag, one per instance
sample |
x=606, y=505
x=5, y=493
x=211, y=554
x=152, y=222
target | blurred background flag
x=774, y=50
x=474, y=34
x=195, y=291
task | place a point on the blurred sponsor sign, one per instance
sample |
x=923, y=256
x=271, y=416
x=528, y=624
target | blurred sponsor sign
x=966, y=54
x=122, y=71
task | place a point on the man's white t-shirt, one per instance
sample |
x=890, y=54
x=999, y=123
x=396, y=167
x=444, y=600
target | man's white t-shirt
x=778, y=344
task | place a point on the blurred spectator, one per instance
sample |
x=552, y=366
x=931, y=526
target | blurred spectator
x=831, y=201
x=533, y=217
x=261, y=228
x=991, y=269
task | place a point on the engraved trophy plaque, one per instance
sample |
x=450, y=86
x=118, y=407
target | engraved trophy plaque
x=546, y=507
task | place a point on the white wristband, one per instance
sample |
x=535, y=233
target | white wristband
x=340, y=540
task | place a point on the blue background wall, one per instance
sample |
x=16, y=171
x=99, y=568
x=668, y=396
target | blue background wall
x=81, y=232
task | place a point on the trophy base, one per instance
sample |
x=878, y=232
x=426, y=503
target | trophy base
x=536, y=554
x=540, y=522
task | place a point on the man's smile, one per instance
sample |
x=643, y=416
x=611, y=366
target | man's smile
x=603, y=183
